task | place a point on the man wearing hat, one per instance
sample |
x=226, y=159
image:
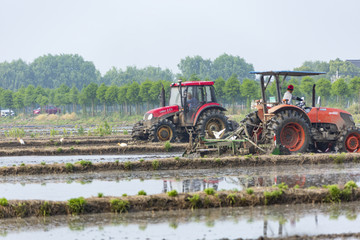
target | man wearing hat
x=288, y=97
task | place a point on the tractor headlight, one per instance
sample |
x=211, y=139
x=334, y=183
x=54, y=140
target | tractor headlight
x=150, y=116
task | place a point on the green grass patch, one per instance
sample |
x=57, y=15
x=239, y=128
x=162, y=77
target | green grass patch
x=172, y=193
x=209, y=191
x=142, y=192
x=194, y=201
x=76, y=205
x=249, y=191
x=155, y=164
x=4, y=202
x=119, y=206
x=167, y=146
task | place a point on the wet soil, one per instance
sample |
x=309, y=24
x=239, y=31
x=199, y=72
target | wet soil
x=181, y=163
x=161, y=202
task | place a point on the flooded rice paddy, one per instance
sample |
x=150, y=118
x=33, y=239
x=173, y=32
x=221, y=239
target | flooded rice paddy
x=18, y=160
x=116, y=183
x=230, y=223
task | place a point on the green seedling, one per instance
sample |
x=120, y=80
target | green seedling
x=127, y=165
x=43, y=163
x=141, y=160
x=124, y=195
x=119, y=206
x=194, y=201
x=100, y=195
x=177, y=158
x=232, y=198
x=76, y=205
x=45, y=209
x=84, y=163
x=172, y=193
x=209, y=191
x=249, y=191
x=142, y=192
x=3, y=202
x=69, y=167
x=167, y=146
x=155, y=164
x=125, y=132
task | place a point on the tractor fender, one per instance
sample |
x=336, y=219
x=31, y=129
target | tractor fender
x=283, y=107
x=205, y=107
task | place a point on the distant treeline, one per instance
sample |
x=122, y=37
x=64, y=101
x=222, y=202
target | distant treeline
x=136, y=98
x=50, y=71
x=75, y=85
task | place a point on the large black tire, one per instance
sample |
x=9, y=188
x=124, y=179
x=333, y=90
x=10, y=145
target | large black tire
x=137, y=132
x=291, y=129
x=163, y=131
x=349, y=140
x=252, y=122
x=212, y=120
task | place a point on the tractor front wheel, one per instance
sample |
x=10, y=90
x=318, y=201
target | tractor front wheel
x=290, y=130
x=137, y=132
x=211, y=123
x=163, y=131
x=349, y=141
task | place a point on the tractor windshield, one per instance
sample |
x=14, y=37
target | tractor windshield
x=175, y=98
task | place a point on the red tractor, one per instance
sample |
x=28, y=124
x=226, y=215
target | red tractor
x=299, y=128
x=192, y=108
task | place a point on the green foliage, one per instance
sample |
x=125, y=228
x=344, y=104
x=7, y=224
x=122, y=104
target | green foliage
x=20, y=209
x=283, y=186
x=127, y=165
x=296, y=186
x=84, y=163
x=125, y=132
x=249, y=191
x=209, y=191
x=272, y=196
x=22, y=165
x=194, y=201
x=69, y=167
x=119, y=206
x=43, y=163
x=172, y=193
x=76, y=205
x=231, y=198
x=44, y=209
x=81, y=132
x=335, y=193
x=350, y=185
x=155, y=164
x=339, y=158
x=141, y=160
x=167, y=146
x=59, y=150
x=124, y=195
x=54, y=132
x=3, y=202
x=141, y=192
x=177, y=158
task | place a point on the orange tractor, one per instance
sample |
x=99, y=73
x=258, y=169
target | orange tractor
x=296, y=127
x=282, y=128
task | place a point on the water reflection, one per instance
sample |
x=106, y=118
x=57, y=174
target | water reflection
x=271, y=221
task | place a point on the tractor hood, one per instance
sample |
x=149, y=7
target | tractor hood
x=159, y=112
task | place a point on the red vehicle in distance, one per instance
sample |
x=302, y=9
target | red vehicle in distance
x=48, y=110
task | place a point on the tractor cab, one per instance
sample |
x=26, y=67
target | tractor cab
x=190, y=97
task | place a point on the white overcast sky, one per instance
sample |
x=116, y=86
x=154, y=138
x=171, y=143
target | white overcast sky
x=271, y=34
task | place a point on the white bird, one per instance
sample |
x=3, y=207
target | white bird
x=122, y=144
x=21, y=141
x=217, y=134
x=61, y=140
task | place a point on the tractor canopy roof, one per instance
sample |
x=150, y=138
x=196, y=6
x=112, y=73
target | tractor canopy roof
x=288, y=73
x=193, y=83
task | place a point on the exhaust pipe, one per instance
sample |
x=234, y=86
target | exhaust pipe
x=313, y=96
x=162, y=96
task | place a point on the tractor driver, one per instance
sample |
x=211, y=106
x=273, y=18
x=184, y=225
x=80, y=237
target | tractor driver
x=288, y=97
x=193, y=102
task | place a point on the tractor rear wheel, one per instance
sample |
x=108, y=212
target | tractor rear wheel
x=349, y=141
x=290, y=130
x=252, y=122
x=163, y=131
x=212, y=121
x=137, y=132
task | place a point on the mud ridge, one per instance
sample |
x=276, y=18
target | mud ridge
x=105, y=148
x=175, y=163
x=163, y=202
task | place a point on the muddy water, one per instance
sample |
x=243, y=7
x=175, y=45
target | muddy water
x=271, y=221
x=17, y=160
x=63, y=187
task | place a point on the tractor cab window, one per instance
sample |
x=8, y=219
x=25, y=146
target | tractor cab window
x=175, y=98
x=208, y=95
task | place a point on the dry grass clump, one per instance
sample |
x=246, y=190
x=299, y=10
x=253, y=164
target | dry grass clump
x=52, y=117
x=68, y=116
x=41, y=117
